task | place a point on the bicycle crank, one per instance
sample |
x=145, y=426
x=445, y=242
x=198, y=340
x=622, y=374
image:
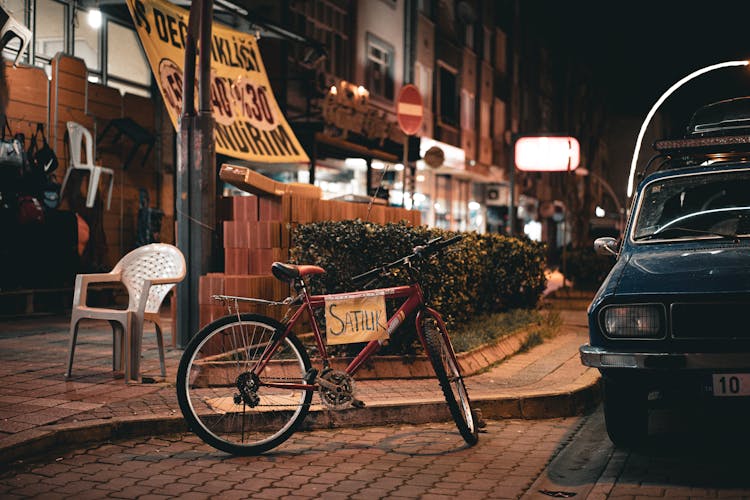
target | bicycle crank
x=337, y=390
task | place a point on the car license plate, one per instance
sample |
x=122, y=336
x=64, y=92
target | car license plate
x=731, y=384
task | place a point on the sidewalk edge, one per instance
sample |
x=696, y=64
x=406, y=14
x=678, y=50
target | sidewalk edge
x=62, y=437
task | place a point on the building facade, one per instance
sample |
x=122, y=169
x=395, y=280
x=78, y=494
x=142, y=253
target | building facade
x=486, y=73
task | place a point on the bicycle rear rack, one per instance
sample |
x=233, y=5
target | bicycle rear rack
x=233, y=298
x=233, y=301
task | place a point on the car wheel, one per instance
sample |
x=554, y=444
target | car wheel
x=625, y=413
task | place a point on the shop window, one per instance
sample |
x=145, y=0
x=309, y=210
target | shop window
x=16, y=9
x=50, y=29
x=86, y=42
x=448, y=93
x=329, y=24
x=379, y=71
x=127, y=67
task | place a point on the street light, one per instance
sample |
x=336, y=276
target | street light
x=620, y=212
x=658, y=103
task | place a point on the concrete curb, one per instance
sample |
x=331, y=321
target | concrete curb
x=61, y=437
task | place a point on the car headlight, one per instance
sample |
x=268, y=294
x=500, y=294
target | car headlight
x=633, y=321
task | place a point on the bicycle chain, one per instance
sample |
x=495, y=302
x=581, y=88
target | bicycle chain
x=281, y=380
x=329, y=398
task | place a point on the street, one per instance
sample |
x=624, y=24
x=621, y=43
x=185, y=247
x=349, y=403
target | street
x=562, y=458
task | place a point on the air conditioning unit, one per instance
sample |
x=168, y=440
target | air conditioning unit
x=496, y=195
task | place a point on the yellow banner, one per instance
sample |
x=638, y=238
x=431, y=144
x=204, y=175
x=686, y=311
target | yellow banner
x=355, y=318
x=249, y=123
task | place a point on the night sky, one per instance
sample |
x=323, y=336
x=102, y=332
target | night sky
x=638, y=49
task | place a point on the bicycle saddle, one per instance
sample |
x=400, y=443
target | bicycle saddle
x=290, y=272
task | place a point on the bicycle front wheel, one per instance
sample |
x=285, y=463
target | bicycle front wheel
x=224, y=397
x=440, y=352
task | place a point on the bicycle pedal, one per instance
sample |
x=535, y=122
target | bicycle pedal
x=356, y=403
x=309, y=377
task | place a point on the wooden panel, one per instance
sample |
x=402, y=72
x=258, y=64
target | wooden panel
x=140, y=109
x=69, y=64
x=27, y=112
x=67, y=113
x=166, y=139
x=70, y=82
x=67, y=94
x=105, y=103
x=167, y=195
x=29, y=90
x=27, y=84
x=71, y=99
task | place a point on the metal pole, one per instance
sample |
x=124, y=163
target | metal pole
x=405, y=172
x=196, y=172
x=512, y=181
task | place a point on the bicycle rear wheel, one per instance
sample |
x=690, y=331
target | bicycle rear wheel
x=225, y=403
x=440, y=352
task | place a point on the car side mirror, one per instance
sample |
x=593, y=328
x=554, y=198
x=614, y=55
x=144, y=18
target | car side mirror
x=606, y=246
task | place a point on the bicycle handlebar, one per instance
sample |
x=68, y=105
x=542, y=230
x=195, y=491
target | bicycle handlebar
x=432, y=247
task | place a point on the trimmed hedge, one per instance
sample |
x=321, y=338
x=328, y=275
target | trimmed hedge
x=483, y=273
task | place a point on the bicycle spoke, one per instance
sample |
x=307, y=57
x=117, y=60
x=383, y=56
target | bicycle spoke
x=449, y=375
x=227, y=404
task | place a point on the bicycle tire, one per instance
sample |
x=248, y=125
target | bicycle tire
x=440, y=352
x=212, y=369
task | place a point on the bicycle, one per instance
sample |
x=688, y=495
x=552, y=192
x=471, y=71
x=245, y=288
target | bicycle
x=245, y=382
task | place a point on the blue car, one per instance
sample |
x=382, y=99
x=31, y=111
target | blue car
x=670, y=321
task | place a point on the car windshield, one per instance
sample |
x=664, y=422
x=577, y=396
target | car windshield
x=695, y=206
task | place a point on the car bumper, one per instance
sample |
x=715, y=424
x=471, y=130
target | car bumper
x=598, y=357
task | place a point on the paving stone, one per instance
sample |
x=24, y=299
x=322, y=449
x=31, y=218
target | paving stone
x=319, y=463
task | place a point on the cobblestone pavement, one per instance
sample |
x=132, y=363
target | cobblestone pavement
x=35, y=398
x=690, y=453
x=675, y=473
x=428, y=461
x=399, y=461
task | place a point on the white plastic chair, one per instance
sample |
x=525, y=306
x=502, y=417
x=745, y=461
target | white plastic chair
x=77, y=133
x=149, y=273
x=13, y=28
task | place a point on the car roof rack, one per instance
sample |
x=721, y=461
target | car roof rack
x=693, y=151
x=704, y=145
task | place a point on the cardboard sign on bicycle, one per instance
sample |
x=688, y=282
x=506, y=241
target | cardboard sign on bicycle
x=355, y=318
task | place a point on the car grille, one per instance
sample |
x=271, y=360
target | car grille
x=715, y=321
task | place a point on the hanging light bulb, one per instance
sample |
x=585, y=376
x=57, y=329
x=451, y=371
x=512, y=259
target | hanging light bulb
x=95, y=18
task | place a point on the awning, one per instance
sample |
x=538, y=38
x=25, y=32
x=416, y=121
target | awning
x=343, y=149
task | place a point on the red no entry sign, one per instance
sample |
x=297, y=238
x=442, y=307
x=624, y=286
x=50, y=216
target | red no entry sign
x=409, y=109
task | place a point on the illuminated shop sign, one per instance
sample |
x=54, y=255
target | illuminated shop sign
x=547, y=153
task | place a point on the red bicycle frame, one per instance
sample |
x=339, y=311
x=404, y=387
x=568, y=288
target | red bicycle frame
x=414, y=301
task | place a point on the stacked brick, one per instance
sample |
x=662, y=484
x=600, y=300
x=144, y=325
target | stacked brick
x=257, y=233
